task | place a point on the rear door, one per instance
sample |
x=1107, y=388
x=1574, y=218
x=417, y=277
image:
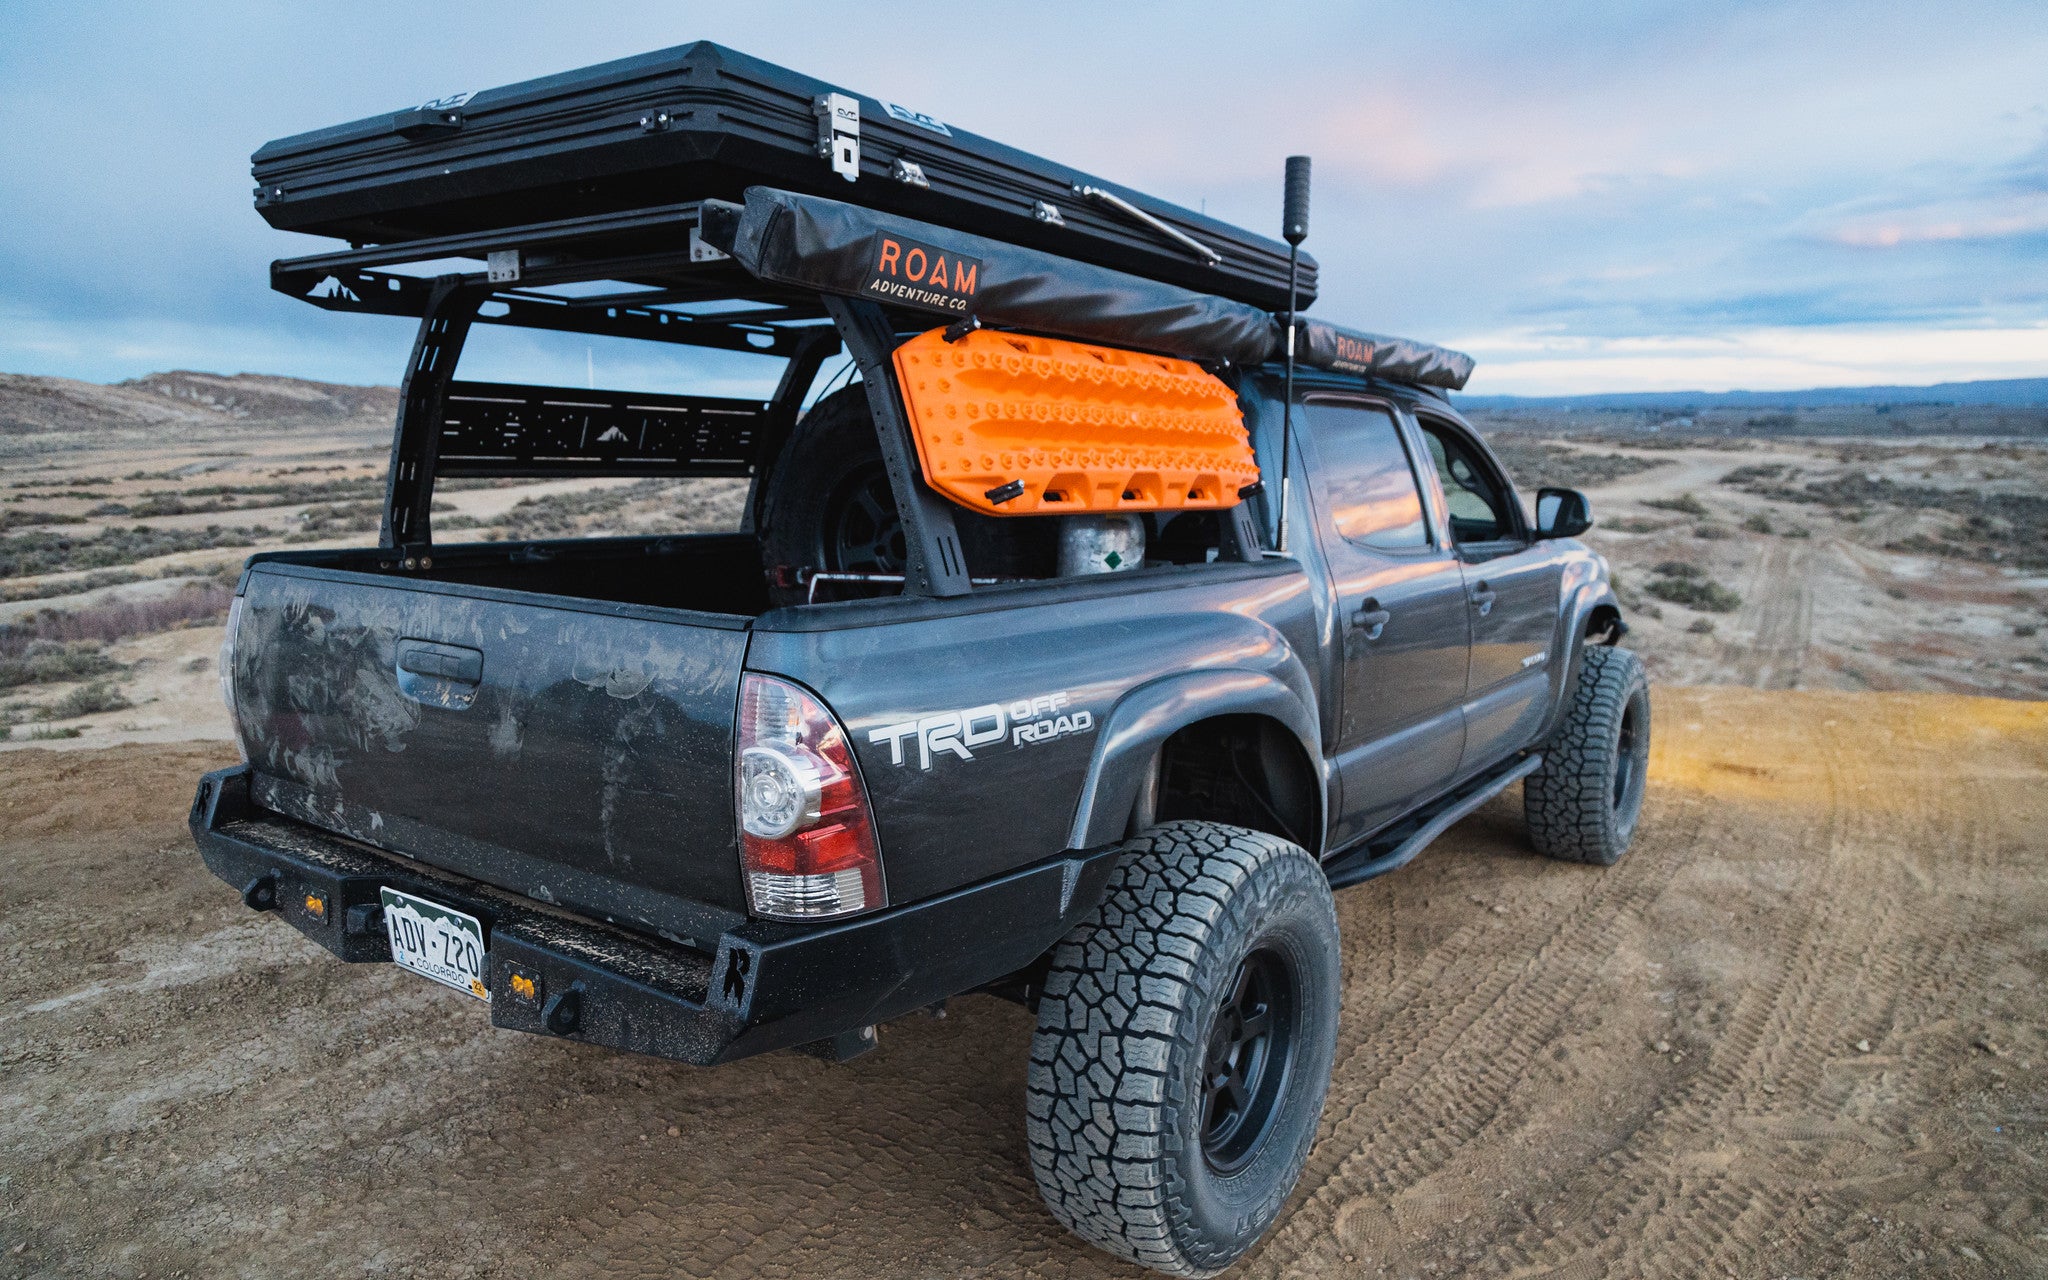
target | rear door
x=579, y=752
x=1400, y=615
x=1512, y=585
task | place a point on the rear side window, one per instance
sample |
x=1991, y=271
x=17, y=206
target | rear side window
x=1366, y=479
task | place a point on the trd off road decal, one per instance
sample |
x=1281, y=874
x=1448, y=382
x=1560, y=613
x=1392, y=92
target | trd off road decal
x=914, y=274
x=1022, y=723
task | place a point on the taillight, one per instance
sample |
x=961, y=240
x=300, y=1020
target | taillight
x=807, y=844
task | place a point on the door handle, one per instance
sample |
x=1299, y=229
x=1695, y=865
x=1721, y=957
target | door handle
x=439, y=675
x=1371, y=619
x=1482, y=596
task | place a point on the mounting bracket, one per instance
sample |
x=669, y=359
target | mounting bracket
x=405, y=530
x=934, y=565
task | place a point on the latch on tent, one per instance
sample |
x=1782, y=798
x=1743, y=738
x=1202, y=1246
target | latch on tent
x=839, y=132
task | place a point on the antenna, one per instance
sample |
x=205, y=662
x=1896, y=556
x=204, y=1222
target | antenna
x=1294, y=228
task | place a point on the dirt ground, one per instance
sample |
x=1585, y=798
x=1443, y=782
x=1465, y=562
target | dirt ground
x=1799, y=1031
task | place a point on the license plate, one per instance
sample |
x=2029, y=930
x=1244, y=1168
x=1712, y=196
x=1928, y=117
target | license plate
x=436, y=942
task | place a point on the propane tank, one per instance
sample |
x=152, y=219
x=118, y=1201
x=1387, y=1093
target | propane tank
x=1101, y=544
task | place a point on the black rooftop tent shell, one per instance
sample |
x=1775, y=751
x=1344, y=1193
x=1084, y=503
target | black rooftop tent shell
x=700, y=121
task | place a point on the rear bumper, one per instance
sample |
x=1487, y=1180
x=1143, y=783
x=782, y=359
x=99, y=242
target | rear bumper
x=764, y=986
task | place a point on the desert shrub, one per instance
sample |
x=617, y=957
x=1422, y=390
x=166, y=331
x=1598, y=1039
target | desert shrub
x=1534, y=464
x=1684, y=504
x=1711, y=531
x=11, y=520
x=44, y=590
x=328, y=519
x=1695, y=592
x=1753, y=473
x=86, y=700
x=1702, y=627
x=202, y=601
x=25, y=554
x=1676, y=569
x=1758, y=523
x=42, y=662
x=49, y=734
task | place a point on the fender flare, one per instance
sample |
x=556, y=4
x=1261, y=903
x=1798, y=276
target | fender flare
x=1144, y=718
x=1588, y=596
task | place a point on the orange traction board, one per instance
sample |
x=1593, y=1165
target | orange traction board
x=1011, y=426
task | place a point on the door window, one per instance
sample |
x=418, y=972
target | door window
x=1478, y=501
x=1366, y=480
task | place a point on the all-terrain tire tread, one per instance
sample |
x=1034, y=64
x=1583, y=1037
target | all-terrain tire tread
x=1567, y=802
x=1115, y=1005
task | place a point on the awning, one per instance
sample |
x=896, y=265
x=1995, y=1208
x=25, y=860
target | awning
x=840, y=248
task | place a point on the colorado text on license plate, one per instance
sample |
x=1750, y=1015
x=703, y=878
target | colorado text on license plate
x=436, y=942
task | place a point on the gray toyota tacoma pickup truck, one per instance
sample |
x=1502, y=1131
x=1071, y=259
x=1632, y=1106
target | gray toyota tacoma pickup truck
x=1095, y=741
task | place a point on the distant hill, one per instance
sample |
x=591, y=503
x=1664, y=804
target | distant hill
x=2004, y=392
x=275, y=399
x=178, y=401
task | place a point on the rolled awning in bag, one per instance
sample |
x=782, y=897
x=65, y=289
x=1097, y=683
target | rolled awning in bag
x=840, y=248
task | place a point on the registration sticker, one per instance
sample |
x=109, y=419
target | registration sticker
x=436, y=942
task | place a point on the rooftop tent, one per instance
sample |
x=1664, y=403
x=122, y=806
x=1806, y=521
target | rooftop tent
x=699, y=121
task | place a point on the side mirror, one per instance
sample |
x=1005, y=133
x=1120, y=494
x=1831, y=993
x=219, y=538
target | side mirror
x=1562, y=513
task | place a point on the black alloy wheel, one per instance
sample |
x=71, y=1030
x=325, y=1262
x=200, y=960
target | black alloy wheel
x=1250, y=1049
x=1626, y=764
x=863, y=531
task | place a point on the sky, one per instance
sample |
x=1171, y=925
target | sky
x=1586, y=195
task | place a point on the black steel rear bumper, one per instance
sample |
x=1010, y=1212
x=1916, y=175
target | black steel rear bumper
x=765, y=985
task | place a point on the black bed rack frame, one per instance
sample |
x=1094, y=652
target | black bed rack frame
x=447, y=427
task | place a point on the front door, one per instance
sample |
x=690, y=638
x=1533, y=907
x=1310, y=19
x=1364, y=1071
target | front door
x=1512, y=587
x=1400, y=616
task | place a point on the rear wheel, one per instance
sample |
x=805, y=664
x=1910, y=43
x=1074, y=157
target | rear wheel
x=1582, y=804
x=1184, y=1043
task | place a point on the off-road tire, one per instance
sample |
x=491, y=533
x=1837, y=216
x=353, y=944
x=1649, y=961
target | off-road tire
x=832, y=455
x=1117, y=1113
x=1582, y=804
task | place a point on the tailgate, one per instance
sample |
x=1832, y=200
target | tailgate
x=574, y=751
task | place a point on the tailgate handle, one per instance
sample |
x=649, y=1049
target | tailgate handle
x=445, y=664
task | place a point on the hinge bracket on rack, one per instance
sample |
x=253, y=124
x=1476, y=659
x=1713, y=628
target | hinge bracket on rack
x=839, y=132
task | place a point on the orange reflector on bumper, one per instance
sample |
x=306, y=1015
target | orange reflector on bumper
x=1010, y=426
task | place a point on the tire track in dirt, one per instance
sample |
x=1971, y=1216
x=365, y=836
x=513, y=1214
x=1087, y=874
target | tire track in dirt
x=1814, y=870
x=1854, y=958
x=1396, y=1123
x=1635, y=1197
x=1778, y=611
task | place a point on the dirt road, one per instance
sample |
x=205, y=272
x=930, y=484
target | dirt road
x=1800, y=1031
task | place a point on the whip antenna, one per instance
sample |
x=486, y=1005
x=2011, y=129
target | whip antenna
x=1294, y=229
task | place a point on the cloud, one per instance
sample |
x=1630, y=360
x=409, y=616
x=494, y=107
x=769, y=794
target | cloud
x=1525, y=362
x=1955, y=220
x=1589, y=170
